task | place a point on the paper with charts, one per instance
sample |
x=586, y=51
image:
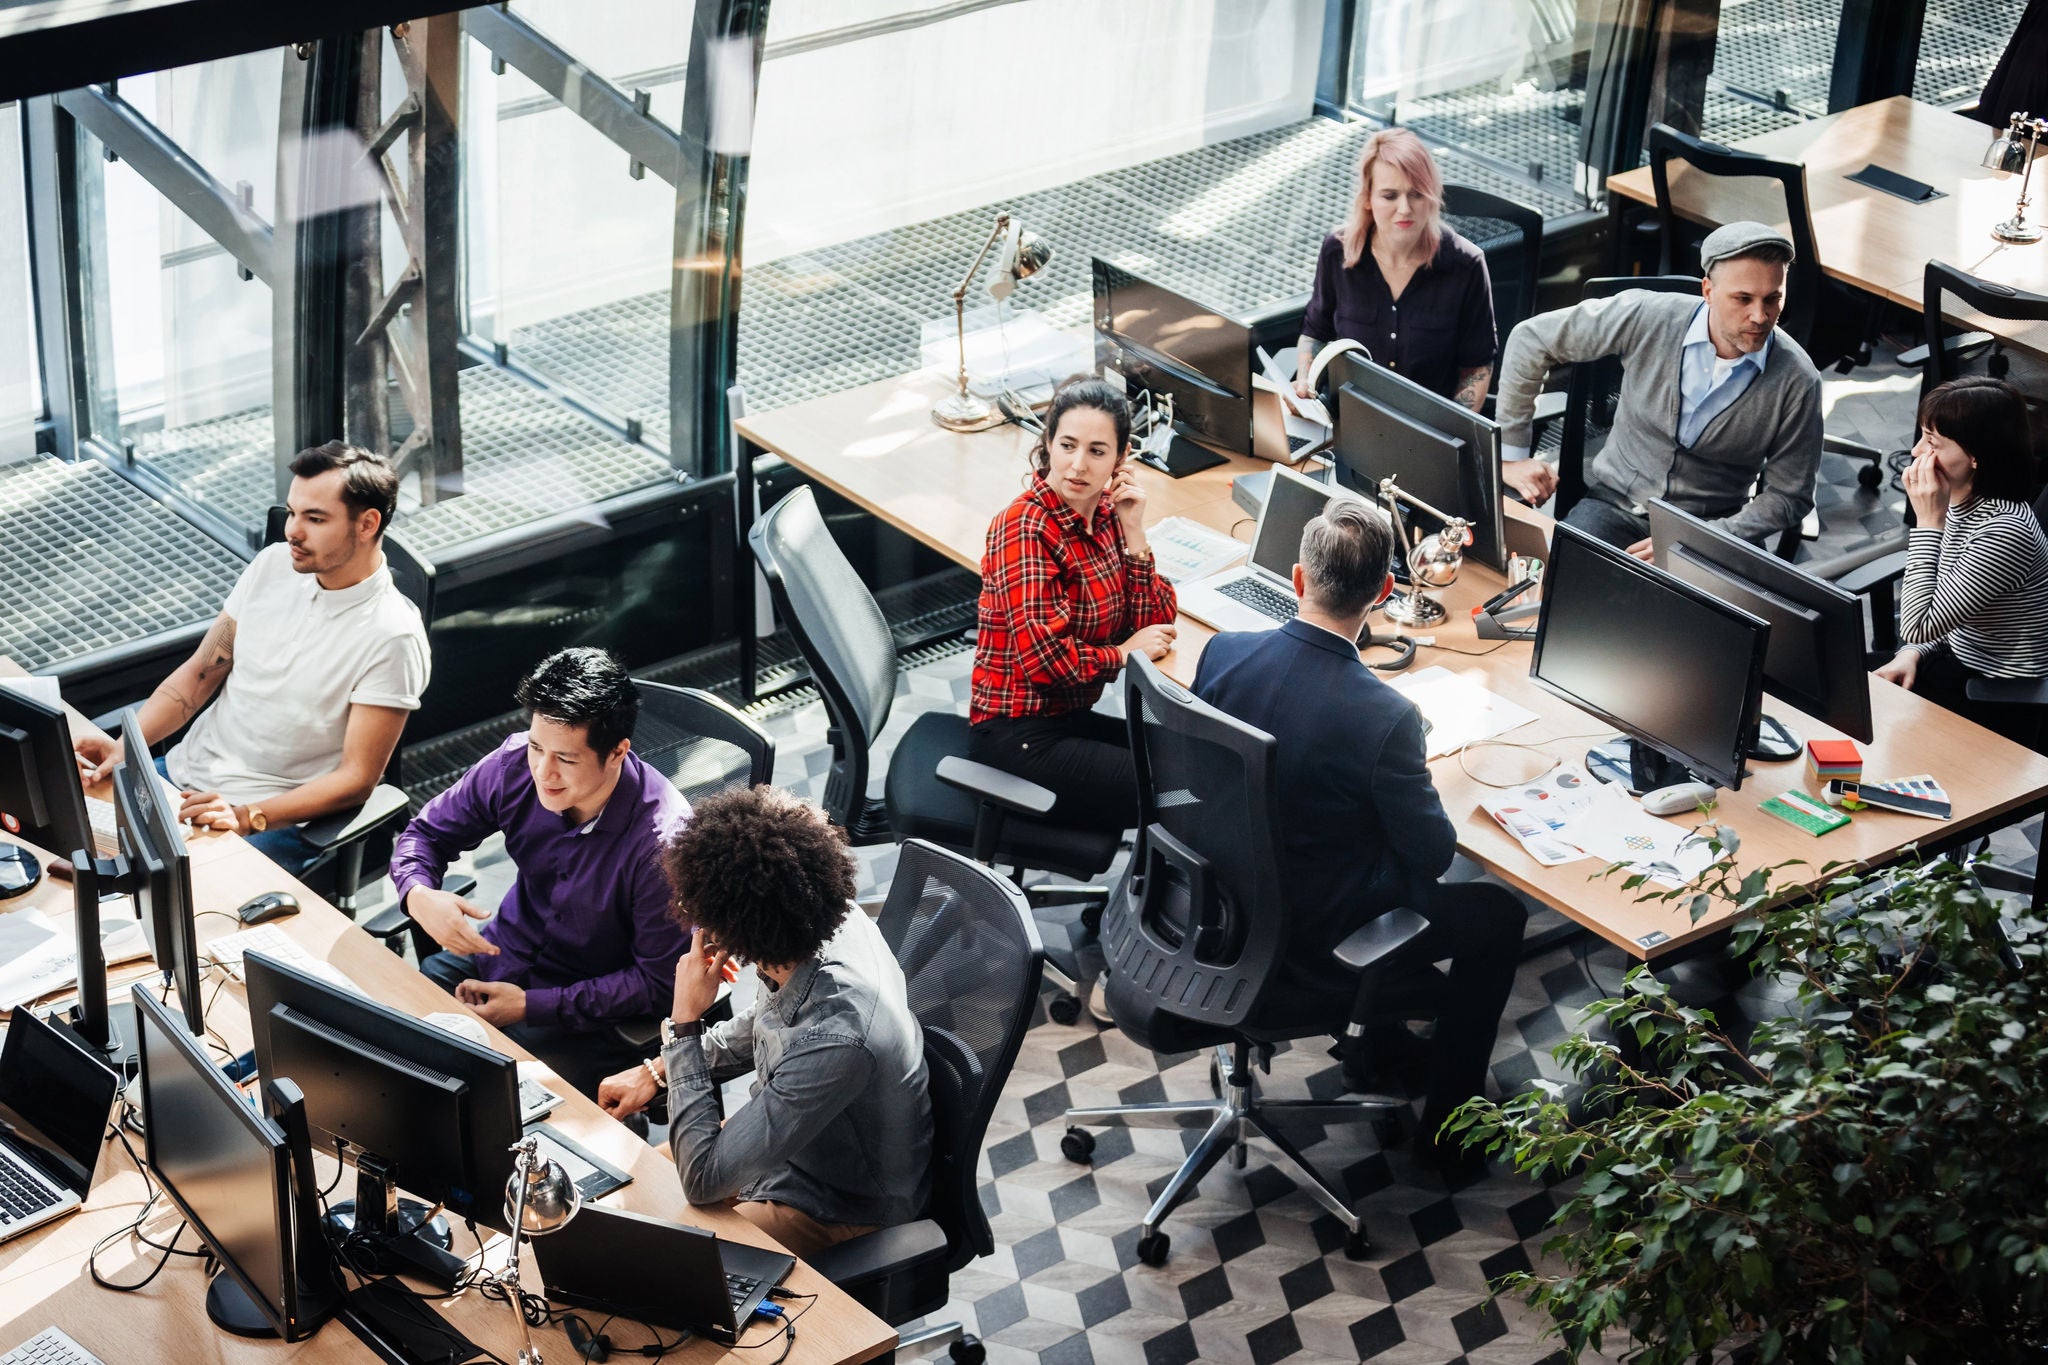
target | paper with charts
x=1459, y=711
x=1565, y=815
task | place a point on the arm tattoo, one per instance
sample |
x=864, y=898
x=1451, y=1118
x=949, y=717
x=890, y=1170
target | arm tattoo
x=184, y=704
x=217, y=652
x=1472, y=386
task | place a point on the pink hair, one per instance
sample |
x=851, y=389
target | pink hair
x=1405, y=153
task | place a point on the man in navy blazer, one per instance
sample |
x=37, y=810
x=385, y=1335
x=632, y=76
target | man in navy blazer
x=1365, y=830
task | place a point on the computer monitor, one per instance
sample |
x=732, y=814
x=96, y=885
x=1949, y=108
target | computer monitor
x=418, y=1108
x=1675, y=669
x=155, y=867
x=41, y=800
x=1815, y=660
x=1442, y=452
x=1170, y=345
x=242, y=1178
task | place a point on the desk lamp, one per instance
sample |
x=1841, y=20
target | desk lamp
x=1432, y=564
x=1023, y=256
x=540, y=1198
x=2013, y=150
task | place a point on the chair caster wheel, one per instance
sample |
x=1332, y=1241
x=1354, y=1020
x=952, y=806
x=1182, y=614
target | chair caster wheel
x=1870, y=476
x=1356, y=1245
x=968, y=1351
x=1152, y=1248
x=1064, y=1009
x=1077, y=1145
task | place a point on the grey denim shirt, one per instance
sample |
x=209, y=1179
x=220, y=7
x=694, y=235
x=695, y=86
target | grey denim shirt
x=840, y=1123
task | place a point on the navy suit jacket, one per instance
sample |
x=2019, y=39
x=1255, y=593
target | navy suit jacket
x=1363, y=829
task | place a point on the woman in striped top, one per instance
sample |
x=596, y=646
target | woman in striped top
x=1974, y=603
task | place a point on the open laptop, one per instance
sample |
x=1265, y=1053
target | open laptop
x=660, y=1273
x=54, y=1101
x=1259, y=594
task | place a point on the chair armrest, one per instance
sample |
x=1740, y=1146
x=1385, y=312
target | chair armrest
x=1015, y=794
x=1833, y=569
x=1842, y=445
x=881, y=1253
x=1377, y=938
x=388, y=923
x=331, y=831
x=2008, y=691
x=1882, y=570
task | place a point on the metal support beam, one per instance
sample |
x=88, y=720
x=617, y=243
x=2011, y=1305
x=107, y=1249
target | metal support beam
x=1877, y=49
x=1333, y=70
x=726, y=41
x=66, y=341
x=615, y=114
x=189, y=187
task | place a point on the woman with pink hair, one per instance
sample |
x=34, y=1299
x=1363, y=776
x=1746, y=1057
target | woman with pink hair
x=1409, y=289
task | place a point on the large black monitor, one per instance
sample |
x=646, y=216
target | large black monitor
x=242, y=1178
x=1675, y=669
x=417, y=1107
x=40, y=796
x=1815, y=661
x=1169, y=344
x=1442, y=452
x=156, y=868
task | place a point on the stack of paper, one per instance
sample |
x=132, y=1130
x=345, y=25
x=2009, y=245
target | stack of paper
x=1459, y=711
x=36, y=958
x=1187, y=550
x=1566, y=815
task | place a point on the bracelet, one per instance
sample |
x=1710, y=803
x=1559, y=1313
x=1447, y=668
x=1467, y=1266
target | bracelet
x=648, y=1065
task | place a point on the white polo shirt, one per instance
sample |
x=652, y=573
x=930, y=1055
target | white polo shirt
x=303, y=656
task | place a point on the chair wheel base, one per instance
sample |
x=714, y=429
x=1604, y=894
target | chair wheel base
x=1064, y=1009
x=1152, y=1248
x=968, y=1351
x=1870, y=476
x=1078, y=1145
x=1357, y=1246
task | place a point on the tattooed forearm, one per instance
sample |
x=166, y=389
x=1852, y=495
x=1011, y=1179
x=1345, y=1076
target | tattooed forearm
x=216, y=653
x=183, y=708
x=1472, y=387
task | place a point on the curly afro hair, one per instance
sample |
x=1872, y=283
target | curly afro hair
x=766, y=874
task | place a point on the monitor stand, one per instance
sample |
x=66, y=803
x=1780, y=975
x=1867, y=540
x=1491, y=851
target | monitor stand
x=407, y=1239
x=1775, y=742
x=20, y=870
x=229, y=1307
x=1183, y=457
x=1635, y=765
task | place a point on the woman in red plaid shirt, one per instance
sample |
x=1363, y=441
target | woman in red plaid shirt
x=1068, y=593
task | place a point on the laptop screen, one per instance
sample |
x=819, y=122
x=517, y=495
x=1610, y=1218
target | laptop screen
x=54, y=1100
x=1291, y=504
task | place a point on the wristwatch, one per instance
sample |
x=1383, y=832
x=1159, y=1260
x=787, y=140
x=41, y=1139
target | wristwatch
x=257, y=820
x=671, y=1030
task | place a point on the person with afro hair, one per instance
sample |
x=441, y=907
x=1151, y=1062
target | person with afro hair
x=836, y=1139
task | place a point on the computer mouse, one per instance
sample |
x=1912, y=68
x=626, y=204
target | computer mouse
x=1677, y=798
x=267, y=907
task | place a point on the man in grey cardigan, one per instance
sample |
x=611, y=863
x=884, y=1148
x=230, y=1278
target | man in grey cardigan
x=1719, y=411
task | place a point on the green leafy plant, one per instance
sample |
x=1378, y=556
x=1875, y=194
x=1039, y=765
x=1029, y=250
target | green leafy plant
x=1862, y=1180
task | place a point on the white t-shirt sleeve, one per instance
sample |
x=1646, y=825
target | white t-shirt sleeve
x=396, y=675
x=246, y=586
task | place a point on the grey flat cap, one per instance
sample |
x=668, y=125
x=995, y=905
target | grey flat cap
x=1733, y=239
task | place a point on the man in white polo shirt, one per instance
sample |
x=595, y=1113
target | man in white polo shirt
x=317, y=659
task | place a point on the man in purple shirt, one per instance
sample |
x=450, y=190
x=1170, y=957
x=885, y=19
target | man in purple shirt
x=584, y=938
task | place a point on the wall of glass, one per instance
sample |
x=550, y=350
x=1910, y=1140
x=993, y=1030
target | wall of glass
x=21, y=388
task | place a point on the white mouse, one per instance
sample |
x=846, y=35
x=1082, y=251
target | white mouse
x=1677, y=798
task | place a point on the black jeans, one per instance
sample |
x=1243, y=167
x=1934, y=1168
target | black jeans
x=580, y=1059
x=1082, y=757
x=1942, y=678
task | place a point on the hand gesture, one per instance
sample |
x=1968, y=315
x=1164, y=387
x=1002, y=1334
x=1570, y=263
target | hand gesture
x=1927, y=488
x=699, y=971
x=1903, y=669
x=626, y=1094
x=501, y=1004
x=1154, y=642
x=208, y=810
x=98, y=754
x=446, y=918
x=1534, y=480
x=1127, y=496
x=1304, y=389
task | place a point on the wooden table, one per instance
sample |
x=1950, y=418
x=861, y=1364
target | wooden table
x=878, y=447
x=1870, y=240
x=43, y=1279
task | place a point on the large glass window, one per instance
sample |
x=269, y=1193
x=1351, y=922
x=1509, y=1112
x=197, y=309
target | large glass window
x=21, y=391
x=1960, y=41
x=1773, y=63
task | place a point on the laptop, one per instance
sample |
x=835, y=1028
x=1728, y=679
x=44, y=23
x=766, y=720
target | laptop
x=1259, y=594
x=660, y=1273
x=54, y=1101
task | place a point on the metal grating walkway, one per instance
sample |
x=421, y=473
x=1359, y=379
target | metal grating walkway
x=91, y=562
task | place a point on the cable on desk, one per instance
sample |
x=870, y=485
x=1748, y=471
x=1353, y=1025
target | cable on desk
x=1532, y=746
x=1470, y=653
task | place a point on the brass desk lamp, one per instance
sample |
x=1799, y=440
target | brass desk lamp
x=1023, y=256
x=2013, y=150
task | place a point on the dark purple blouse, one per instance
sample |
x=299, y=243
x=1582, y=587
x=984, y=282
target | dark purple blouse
x=1442, y=324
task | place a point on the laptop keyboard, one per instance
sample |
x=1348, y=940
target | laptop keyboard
x=740, y=1287
x=20, y=1195
x=1297, y=444
x=50, y=1347
x=1261, y=597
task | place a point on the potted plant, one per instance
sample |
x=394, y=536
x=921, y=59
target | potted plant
x=1862, y=1180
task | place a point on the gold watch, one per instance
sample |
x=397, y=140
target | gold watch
x=257, y=820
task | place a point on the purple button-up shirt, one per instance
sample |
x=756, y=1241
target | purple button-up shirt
x=585, y=927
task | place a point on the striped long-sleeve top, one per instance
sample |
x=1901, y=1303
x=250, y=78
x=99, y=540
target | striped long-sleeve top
x=1978, y=587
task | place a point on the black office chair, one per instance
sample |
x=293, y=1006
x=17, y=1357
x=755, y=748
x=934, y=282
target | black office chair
x=971, y=961
x=1197, y=937
x=931, y=791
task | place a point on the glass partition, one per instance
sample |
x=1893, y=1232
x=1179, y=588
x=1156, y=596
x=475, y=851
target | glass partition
x=1773, y=63
x=21, y=388
x=1960, y=41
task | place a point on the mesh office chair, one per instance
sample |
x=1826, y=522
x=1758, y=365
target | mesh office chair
x=932, y=791
x=972, y=962
x=1198, y=937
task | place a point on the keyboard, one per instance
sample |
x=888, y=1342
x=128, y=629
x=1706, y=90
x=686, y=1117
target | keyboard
x=275, y=944
x=1297, y=444
x=1262, y=597
x=740, y=1286
x=21, y=1194
x=50, y=1347
x=101, y=814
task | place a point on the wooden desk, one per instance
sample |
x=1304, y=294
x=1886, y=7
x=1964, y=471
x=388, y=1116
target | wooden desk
x=877, y=446
x=1870, y=240
x=43, y=1279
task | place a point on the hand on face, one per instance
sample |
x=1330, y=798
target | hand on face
x=1927, y=488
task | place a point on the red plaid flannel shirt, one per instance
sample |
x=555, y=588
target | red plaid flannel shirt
x=1056, y=601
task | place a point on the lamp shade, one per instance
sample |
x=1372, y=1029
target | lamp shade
x=551, y=1197
x=2006, y=153
x=1024, y=254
